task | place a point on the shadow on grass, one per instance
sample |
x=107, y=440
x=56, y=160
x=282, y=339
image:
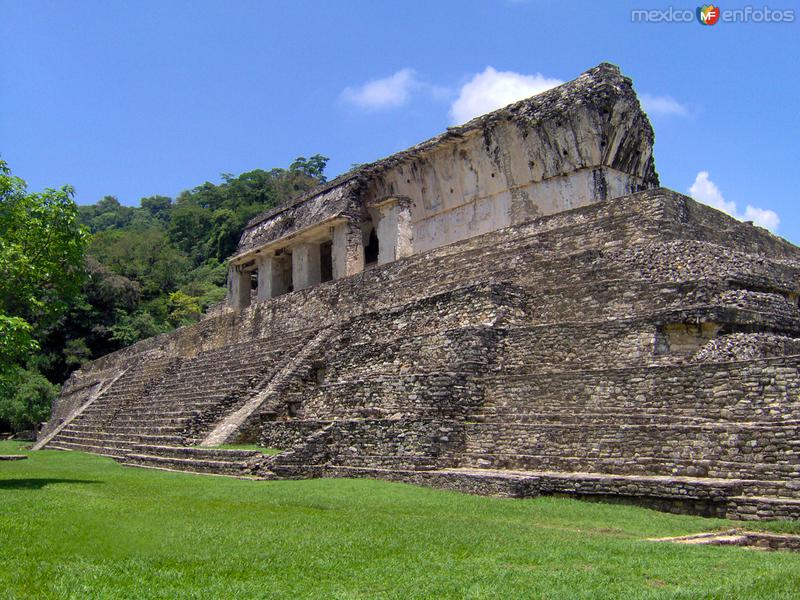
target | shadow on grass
x=37, y=484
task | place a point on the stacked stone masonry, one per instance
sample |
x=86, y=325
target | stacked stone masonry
x=619, y=346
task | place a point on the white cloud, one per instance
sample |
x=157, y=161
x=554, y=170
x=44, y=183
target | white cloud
x=663, y=106
x=388, y=92
x=706, y=191
x=493, y=89
x=762, y=216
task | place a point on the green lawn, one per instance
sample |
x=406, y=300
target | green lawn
x=81, y=526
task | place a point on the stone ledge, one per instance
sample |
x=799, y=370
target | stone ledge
x=737, y=537
x=681, y=495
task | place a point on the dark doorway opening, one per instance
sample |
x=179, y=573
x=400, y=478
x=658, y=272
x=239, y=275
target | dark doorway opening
x=371, y=249
x=325, y=261
x=289, y=276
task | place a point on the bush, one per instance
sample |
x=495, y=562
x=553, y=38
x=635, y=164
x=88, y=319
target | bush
x=26, y=398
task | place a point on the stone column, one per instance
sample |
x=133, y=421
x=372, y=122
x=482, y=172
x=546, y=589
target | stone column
x=238, y=287
x=273, y=276
x=305, y=266
x=348, y=249
x=394, y=230
x=264, y=265
x=405, y=239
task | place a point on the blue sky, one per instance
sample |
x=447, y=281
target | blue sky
x=133, y=99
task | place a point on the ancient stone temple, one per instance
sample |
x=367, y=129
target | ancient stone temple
x=513, y=307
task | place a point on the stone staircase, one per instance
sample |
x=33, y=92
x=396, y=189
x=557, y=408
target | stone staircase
x=96, y=429
x=156, y=414
x=211, y=461
x=95, y=390
x=271, y=395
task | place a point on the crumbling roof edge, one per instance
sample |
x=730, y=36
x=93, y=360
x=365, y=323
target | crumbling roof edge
x=362, y=172
x=247, y=255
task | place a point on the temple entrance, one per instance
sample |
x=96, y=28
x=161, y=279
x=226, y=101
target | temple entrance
x=284, y=274
x=371, y=249
x=326, y=261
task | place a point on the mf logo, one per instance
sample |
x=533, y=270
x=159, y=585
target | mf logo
x=708, y=14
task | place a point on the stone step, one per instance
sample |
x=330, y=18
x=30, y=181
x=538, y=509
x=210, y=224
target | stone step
x=549, y=416
x=73, y=431
x=153, y=417
x=694, y=495
x=120, y=444
x=128, y=413
x=92, y=449
x=197, y=452
x=97, y=440
x=621, y=423
x=262, y=476
x=127, y=429
x=158, y=412
x=634, y=465
x=757, y=508
x=175, y=405
x=772, y=488
x=193, y=465
x=590, y=483
x=159, y=440
x=133, y=437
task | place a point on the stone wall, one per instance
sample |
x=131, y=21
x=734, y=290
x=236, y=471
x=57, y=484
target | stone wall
x=420, y=444
x=716, y=420
x=761, y=390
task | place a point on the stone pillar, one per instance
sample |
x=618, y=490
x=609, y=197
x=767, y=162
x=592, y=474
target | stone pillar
x=305, y=266
x=394, y=230
x=274, y=276
x=348, y=249
x=238, y=287
x=264, y=265
x=405, y=238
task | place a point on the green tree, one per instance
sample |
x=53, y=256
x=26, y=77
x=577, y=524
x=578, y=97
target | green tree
x=42, y=248
x=183, y=309
x=108, y=213
x=157, y=206
x=189, y=226
x=130, y=328
x=27, y=400
x=139, y=256
x=15, y=342
x=144, y=255
x=313, y=167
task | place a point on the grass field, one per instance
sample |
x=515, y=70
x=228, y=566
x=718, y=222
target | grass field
x=81, y=526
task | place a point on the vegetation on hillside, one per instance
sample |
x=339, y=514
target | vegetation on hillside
x=78, y=282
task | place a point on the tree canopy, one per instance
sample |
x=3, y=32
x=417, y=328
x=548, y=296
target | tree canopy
x=42, y=245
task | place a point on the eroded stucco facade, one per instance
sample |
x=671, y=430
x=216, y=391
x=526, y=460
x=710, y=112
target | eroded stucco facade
x=585, y=141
